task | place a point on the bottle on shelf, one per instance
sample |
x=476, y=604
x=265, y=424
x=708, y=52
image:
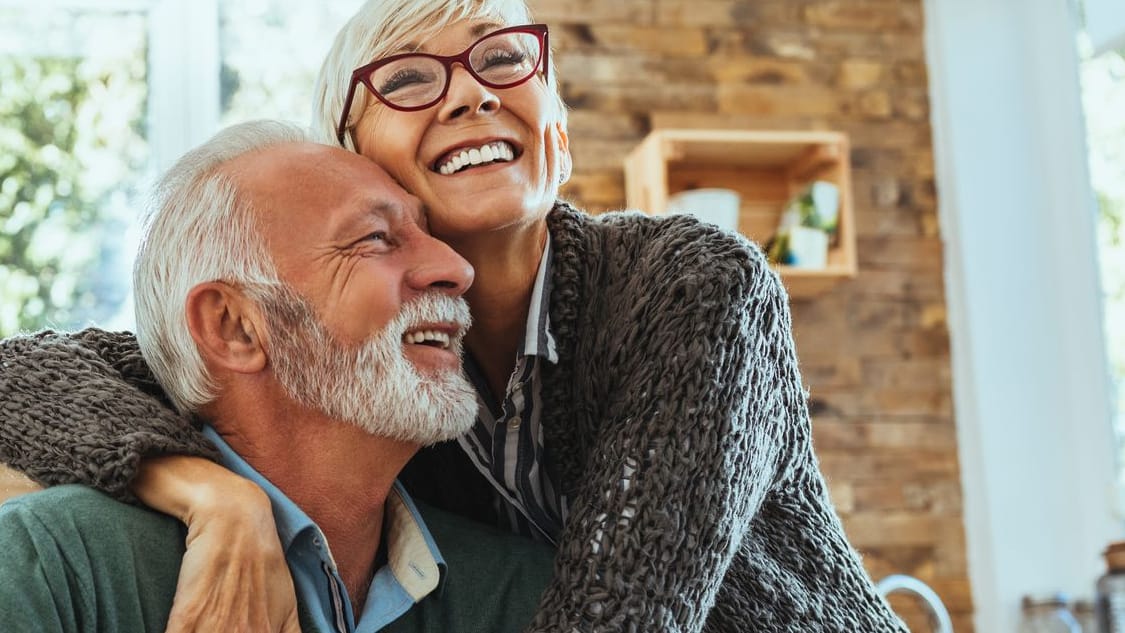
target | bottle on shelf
x=1111, y=590
x=1086, y=616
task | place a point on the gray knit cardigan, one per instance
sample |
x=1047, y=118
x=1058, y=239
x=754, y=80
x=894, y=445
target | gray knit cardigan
x=675, y=421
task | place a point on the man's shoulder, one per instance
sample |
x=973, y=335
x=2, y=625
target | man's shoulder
x=463, y=541
x=79, y=503
x=75, y=559
x=74, y=516
x=493, y=579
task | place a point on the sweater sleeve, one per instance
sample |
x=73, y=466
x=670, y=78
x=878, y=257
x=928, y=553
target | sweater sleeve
x=84, y=408
x=705, y=406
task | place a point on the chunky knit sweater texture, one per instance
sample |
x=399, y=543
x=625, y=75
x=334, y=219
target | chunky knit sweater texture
x=675, y=421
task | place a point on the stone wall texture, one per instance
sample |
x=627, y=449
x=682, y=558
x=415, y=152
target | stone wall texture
x=874, y=350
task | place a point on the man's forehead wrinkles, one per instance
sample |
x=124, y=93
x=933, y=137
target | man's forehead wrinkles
x=410, y=209
x=383, y=208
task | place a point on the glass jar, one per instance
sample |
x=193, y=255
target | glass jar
x=1111, y=590
x=1086, y=616
x=1048, y=614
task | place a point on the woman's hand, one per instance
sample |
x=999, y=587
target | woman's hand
x=234, y=576
x=13, y=483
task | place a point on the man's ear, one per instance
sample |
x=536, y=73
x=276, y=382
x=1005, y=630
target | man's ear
x=226, y=327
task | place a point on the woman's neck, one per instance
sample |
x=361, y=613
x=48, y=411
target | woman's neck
x=506, y=264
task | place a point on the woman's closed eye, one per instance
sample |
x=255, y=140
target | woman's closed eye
x=406, y=78
x=501, y=57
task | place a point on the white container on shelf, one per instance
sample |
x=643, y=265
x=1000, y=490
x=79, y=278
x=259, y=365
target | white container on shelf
x=713, y=205
x=808, y=246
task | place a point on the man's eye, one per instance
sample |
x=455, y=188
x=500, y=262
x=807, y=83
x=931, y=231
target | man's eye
x=375, y=241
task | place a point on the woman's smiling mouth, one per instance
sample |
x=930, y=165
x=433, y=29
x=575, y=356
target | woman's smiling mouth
x=468, y=157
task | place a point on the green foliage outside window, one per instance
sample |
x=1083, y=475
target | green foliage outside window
x=1103, y=88
x=71, y=144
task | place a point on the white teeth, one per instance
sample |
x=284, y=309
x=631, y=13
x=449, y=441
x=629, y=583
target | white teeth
x=422, y=336
x=498, y=151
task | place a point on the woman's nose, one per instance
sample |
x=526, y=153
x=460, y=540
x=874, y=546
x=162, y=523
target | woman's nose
x=466, y=96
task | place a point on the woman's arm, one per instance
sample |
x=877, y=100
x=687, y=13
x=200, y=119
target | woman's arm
x=701, y=476
x=83, y=408
x=234, y=576
x=13, y=483
x=691, y=444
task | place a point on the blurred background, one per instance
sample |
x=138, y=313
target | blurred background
x=965, y=385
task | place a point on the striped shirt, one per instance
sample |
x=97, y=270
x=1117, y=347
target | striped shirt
x=506, y=443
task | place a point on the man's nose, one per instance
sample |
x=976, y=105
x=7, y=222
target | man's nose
x=466, y=96
x=439, y=267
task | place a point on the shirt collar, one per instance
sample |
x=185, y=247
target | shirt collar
x=412, y=555
x=538, y=340
x=290, y=519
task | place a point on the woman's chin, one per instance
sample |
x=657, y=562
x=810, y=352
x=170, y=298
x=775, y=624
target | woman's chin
x=485, y=213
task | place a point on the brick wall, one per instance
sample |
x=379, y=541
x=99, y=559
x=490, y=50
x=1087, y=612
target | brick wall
x=874, y=351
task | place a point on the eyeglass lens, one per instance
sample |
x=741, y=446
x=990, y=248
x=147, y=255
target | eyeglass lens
x=416, y=80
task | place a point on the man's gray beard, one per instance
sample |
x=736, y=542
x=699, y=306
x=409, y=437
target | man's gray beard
x=371, y=385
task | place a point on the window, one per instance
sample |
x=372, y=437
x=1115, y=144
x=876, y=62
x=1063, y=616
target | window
x=1103, y=99
x=271, y=52
x=97, y=96
x=73, y=93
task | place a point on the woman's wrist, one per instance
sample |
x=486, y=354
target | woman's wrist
x=192, y=487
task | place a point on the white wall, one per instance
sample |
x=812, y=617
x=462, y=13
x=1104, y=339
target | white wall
x=1030, y=382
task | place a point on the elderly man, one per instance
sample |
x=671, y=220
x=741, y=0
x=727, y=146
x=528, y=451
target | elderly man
x=289, y=296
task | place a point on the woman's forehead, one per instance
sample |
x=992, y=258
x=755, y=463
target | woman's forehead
x=468, y=30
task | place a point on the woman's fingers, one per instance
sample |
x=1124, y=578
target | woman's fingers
x=234, y=576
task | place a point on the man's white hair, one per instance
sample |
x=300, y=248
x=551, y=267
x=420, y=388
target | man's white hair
x=198, y=228
x=385, y=27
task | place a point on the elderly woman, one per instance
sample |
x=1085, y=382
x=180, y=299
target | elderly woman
x=640, y=403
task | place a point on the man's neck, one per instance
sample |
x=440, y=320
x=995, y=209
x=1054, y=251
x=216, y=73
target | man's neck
x=337, y=473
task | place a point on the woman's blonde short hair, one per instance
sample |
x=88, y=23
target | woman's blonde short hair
x=382, y=27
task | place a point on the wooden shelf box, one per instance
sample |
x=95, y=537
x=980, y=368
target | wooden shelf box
x=766, y=168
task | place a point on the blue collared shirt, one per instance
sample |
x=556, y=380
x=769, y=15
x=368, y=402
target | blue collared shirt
x=414, y=569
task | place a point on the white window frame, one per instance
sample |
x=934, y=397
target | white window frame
x=184, y=66
x=1031, y=381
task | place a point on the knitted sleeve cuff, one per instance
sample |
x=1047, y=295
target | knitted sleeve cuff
x=70, y=414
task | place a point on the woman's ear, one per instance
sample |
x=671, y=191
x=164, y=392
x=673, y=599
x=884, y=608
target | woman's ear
x=226, y=327
x=565, y=161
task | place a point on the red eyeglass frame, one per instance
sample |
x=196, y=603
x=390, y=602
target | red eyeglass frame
x=363, y=73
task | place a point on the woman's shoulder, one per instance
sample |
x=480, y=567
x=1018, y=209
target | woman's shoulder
x=663, y=248
x=91, y=343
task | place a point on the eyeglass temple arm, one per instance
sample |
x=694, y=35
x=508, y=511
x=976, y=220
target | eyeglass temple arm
x=342, y=127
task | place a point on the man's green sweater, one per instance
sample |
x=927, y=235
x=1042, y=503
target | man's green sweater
x=75, y=561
